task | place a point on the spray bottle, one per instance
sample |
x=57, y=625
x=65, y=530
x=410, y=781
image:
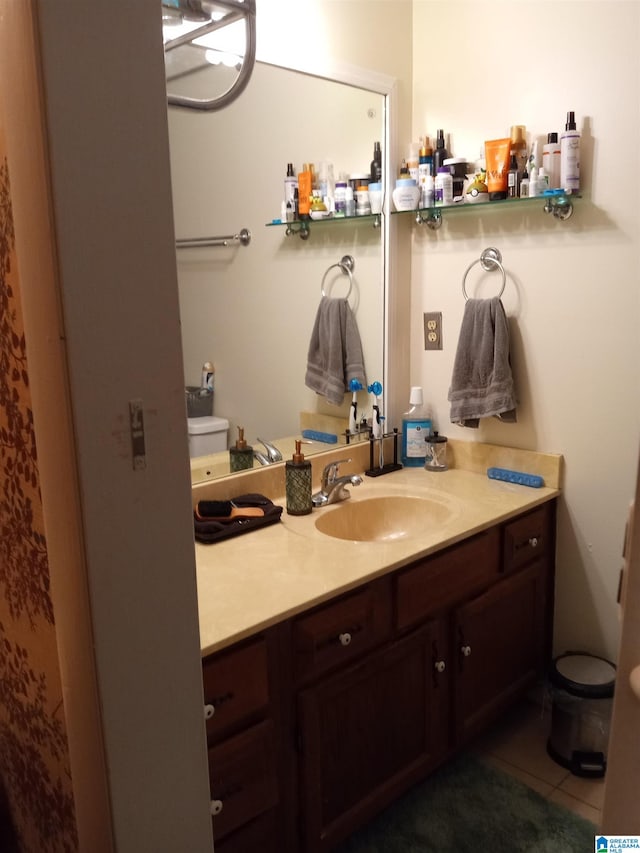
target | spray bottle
x=416, y=428
x=570, y=156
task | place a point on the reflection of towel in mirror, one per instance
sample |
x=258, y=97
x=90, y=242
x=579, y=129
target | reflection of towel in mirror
x=482, y=383
x=335, y=351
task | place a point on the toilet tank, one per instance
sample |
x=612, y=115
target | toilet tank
x=207, y=435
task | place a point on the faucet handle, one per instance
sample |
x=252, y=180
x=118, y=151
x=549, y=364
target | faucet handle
x=273, y=454
x=330, y=471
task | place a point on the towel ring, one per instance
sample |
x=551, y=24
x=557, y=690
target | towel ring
x=346, y=265
x=489, y=260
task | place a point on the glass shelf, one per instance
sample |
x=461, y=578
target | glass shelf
x=302, y=227
x=560, y=205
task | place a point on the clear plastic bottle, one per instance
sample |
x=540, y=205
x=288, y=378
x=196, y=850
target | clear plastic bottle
x=416, y=428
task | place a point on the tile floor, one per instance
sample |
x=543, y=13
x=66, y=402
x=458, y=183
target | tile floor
x=518, y=746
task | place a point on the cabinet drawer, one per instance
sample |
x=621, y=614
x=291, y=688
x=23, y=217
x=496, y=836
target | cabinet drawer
x=446, y=578
x=236, y=686
x=262, y=835
x=338, y=632
x=244, y=784
x=527, y=538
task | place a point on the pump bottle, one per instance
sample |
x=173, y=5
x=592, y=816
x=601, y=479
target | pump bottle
x=416, y=428
x=376, y=164
x=298, y=483
x=240, y=456
x=570, y=156
x=440, y=154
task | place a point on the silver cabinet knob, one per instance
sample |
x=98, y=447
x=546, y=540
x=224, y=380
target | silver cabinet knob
x=439, y=666
x=466, y=650
x=216, y=807
x=533, y=542
x=209, y=711
x=345, y=638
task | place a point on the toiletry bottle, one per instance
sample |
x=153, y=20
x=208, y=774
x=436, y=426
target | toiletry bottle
x=519, y=147
x=305, y=186
x=533, y=182
x=425, y=164
x=404, y=170
x=350, y=202
x=512, y=178
x=341, y=197
x=290, y=183
x=444, y=186
x=413, y=161
x=543, y=181
x=208, y=372
x=570, y=156
x=551, y=160
x=440, y=154
x=376, y=164
x=241, y=456
x=524, y=185
x=416, y=427
x=298, y=483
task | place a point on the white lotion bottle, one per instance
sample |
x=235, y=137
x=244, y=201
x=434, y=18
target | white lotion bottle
x=570, y=156
x=551, y=160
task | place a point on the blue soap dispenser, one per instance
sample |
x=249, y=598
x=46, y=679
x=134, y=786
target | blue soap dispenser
x=416, y=428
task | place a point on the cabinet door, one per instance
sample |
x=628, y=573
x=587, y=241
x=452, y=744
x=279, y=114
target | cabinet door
x=498, y=643
x=244, y=782
x=367, y=733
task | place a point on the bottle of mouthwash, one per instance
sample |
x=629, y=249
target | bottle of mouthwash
x=416, y=428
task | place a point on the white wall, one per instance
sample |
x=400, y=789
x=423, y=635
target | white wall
x=572, y=292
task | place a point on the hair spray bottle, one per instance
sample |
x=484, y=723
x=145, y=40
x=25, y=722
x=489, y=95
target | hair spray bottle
x=570, y=156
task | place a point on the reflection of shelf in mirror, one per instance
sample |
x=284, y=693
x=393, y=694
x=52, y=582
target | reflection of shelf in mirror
x=560, y=205
x=302, y=227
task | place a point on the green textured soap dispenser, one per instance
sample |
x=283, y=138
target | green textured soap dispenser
x=298, y=483
x=240, y=456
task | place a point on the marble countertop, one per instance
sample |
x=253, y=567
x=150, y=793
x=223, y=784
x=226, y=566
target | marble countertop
x=249, y=582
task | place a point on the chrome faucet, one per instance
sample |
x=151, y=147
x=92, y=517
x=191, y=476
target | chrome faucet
x=332, y=488
x=272, y=455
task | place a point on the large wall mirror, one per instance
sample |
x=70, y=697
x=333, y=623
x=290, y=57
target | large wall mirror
x=250, y=309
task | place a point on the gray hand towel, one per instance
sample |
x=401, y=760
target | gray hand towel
x=482, y=383
x=335, y=351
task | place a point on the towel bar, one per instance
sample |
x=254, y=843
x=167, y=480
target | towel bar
x=346, y=264
x=490, y=259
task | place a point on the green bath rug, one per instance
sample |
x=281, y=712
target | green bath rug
x=467, y=807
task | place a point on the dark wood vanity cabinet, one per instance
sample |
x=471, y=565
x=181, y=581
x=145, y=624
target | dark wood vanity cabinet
x=242, y=712
x=342, y=708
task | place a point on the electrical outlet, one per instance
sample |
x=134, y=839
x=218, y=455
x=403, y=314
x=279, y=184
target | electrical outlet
x=433, y=330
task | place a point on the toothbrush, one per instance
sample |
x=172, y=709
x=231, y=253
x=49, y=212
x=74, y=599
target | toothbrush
x=354, y=385
x=376, y=419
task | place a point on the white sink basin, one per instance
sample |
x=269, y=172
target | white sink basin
x=382, y=519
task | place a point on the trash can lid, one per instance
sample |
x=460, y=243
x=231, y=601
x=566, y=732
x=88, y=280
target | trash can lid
x=584, y=675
